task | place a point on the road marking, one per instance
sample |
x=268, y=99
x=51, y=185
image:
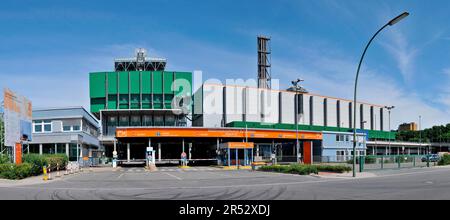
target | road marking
x=178, y=178
x=207, y=187
x=120, y=176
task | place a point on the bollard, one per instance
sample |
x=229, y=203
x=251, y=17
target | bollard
x=49, y=174
x=44, y=170
x=66, y=172
x=58, y=174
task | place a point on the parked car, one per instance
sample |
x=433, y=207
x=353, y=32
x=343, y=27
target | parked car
x=431, y=158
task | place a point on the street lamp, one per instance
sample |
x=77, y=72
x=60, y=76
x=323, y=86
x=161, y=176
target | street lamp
x=389, y=108
x=298, y=89
x=390, y=23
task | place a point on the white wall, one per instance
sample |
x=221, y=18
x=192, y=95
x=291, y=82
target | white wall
x=287, y=108
x=345, y=112
x=332, y=112
x=263, y=106
x=212, y=105
x=252, y=105
x=306, y=116
x=234, y=107
x=318, y=111
x=367, y=116
x=269, y=106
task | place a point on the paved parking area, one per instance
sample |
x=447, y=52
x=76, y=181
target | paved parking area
x=132, y=183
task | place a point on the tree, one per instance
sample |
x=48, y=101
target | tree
x=435, y=134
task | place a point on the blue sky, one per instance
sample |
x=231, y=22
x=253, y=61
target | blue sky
x=47, y=48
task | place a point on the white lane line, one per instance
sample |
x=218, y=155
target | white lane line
x=214, y=186
x=178, y=178
x=120, y=176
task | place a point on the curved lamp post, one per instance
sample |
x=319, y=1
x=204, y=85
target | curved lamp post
x=390, y=23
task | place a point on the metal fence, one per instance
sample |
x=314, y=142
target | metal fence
x=395, y=162
x=367, y=163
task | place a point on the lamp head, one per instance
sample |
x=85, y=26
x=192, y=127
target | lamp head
x=398, y=18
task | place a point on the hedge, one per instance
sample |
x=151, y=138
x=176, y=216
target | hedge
x=4, y=159
x=15, y=172
x=305, y=169
x=49, y=160
x=445, y=160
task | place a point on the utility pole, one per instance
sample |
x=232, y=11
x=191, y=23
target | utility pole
x=298, y=90
x=389, y=108
x=2, y=133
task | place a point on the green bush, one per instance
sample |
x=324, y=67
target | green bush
x=445, y=160
x=305, y=169
x=15, y=172
x=333, y=168
x=49, y=160
x=57, y=160
x=4, y=159
x=38, y=162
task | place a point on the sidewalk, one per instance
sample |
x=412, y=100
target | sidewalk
x=344, y=175
x=40, y=179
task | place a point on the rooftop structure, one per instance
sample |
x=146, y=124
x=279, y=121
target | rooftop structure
x=140, y=63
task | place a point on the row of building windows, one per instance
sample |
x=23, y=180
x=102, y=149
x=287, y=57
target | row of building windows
x=42, y=126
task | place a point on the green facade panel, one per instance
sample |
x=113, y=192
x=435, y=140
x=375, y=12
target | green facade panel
x=97, y=85
x=123, y=83
x=158, y=101
x=124, y=101
x=125, y=89
x=97, y=104
x=135, y=82
x=168, y=82
x=135, y=103
x=112, y=102
x=146, y=82
x=112, y=83
x=183, y=84
x=157, y=82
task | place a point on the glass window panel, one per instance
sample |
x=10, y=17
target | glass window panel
x=47, y=127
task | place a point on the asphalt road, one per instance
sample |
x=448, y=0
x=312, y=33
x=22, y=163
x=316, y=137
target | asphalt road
x=429, y=184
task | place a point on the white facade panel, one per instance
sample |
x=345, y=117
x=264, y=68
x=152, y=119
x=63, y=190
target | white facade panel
x=287, y=108
x=305, y=120
x=367, y=117
x=332, y=113
x=318, y=108
x=234, y=107
x=345, y=114
x=252, y=105
x=269, y=106
x=212, y=105
x=386, y=120
x=358, y=116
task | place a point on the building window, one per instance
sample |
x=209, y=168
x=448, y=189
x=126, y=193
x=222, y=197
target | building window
x=42, y=126
x=76, y=128
x=37, y=128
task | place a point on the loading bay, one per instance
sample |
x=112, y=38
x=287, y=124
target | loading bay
x=215, y=184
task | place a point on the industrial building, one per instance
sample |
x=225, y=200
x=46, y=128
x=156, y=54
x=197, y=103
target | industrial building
x=72, y=131
x=141, y=105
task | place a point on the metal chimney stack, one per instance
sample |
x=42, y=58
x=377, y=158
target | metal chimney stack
x=264, y=62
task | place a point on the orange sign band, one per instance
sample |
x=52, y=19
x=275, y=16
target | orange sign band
x=214, y=133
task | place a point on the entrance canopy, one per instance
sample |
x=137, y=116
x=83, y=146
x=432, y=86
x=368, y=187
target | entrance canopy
x=237, y=145
x=155, y=132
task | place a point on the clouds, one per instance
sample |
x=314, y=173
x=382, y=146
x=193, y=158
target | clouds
x=333, y=75
x=404, y=54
